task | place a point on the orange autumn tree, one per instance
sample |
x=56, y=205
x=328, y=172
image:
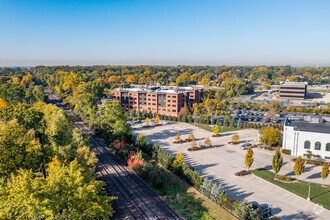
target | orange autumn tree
x=130, y=79
x=3, y=103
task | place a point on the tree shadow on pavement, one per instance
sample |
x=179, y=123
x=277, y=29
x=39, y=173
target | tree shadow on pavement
x=300, y=215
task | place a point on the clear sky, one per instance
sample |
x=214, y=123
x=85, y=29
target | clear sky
x=164, y=32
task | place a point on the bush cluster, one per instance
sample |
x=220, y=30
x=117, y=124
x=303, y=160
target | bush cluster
x=286, y=151
x=285, y=178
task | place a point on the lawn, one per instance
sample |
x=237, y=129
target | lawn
x=208, y=128
x=189, y=202
x=319, y=194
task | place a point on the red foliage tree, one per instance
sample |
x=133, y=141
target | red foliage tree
x=118, y=145
x=135, y=161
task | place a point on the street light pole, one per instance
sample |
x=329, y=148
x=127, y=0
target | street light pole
x=309, y=191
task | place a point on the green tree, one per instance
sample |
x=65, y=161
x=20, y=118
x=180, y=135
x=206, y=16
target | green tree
x=299, y=166
x=277, y=161
x=132, y=113
x=239, y=123
x=141, y=140
x=249, y=158
x=244, y=209
x=65, y=193
x=113, y=116
x=19, y=148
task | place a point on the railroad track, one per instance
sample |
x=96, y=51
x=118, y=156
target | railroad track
x=135, y=199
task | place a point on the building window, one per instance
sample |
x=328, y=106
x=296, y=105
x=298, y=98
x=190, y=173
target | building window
x=169, y=100
x=173, y=105
x=327, y=147
x=307, y=145
x=317, y=146
x=174, y=96
x=174, y=101
x=173, y=110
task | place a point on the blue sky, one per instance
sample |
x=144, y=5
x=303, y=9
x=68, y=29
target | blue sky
x=164, y=32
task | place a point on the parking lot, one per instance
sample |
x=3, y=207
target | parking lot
x=221, y=162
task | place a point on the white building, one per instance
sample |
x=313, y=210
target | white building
x=303, y=133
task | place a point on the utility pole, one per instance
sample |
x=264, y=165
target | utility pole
x=309, y=191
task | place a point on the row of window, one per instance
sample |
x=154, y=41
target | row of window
x=317, y=146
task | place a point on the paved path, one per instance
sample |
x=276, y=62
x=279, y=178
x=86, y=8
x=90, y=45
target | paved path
x=220, y=164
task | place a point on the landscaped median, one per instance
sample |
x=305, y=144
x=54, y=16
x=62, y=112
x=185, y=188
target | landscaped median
x=319, y=194
x=208, y=128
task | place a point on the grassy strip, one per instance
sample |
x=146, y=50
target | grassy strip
x=208, y=128
x=189, y=202
x=319, y=194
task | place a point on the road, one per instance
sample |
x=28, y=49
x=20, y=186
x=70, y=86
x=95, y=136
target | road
x=135, y=199
x=221, y=162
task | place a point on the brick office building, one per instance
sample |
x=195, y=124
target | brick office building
x=293, y=90
x=160, y=100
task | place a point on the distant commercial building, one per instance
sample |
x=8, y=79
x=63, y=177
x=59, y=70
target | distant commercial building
x=293, y=90
x=165, y=100
x=307, y=133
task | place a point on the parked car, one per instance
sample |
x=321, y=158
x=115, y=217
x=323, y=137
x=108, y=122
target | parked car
x=246, y=146
x=265, y=209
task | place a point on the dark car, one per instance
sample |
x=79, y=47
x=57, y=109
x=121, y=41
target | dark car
x=265, y=209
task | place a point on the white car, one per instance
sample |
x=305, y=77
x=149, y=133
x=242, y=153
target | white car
x=246, y=146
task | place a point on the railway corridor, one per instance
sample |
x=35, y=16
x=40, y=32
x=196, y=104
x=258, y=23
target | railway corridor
x=135, y=199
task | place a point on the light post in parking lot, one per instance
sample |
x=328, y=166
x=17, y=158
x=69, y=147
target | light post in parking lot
x=309, y=191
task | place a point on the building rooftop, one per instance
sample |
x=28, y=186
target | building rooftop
x=293, y=84
x=159, y=90
x=309, y=123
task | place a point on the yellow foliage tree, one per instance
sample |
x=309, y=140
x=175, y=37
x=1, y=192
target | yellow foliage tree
x=157, y=118
x=191, y=136
x=308, y=75
x=193, y=144
x=215, y=129
x=130, y=79
x=204, y=81
x=208, y=142
x=179, y=160
x=67, y=85
x=114, y=79
x=177, y=137
x=235, y=137
x=147, y=121
x=249, y=157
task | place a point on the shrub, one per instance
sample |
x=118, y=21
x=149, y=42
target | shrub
x=285, y=178
x=286, y=151
x=206, y=187
x=242, y=173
